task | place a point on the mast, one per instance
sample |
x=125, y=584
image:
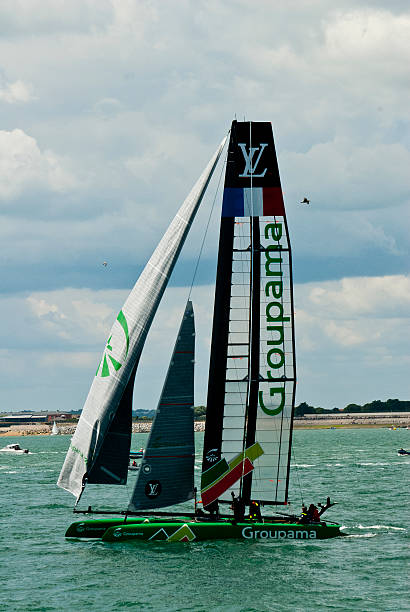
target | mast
x=252, y=369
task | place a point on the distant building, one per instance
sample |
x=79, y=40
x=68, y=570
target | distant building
x=22, y=419
x=32, y=419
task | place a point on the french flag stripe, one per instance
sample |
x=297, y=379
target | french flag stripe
x=253, y=202
x=273, y=202
x=232, y=205
x=256, y=202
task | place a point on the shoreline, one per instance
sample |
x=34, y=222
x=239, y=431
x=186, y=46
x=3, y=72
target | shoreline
x=354, y=421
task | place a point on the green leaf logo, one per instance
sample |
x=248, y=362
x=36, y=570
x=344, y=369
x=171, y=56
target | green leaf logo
x=104, y=366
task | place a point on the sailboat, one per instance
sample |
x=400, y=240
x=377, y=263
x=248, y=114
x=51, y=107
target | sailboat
x=54, y=430
x=251, y=385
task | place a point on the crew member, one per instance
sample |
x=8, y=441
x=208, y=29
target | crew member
x=255, y=511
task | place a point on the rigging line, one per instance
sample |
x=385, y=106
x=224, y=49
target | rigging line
x=208, y=222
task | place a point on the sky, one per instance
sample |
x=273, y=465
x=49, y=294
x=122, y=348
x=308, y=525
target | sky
x=110, y=109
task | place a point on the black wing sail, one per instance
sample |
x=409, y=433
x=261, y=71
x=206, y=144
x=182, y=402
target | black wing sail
x=252, y=370
x=166, y=475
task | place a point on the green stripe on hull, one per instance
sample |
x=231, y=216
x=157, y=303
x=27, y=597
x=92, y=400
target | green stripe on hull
x=197, y=531
x=95, y=528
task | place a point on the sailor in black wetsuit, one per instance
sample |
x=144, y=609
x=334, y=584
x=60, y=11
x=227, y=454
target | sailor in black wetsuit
x=255, y=512
x=238, y=508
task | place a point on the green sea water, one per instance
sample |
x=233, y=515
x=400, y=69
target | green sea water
x=368, y=570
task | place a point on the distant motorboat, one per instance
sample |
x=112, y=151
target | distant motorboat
x=55, y=430
x=134, y=466
x=14, y=448
x=401, y=451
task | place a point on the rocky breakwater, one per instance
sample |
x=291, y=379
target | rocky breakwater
x=354, y=419
x=145, y=426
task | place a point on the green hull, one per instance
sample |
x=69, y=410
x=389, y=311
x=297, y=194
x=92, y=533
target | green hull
x=188, y=530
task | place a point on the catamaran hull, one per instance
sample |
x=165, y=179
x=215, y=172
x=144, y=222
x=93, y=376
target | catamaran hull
x=151, y=529
x=95, y=528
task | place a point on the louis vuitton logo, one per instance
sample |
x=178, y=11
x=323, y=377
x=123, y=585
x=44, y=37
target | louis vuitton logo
x=153, y=488
x=250, y=165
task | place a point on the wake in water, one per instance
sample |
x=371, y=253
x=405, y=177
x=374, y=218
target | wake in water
x=380, y=529
x=387, y=527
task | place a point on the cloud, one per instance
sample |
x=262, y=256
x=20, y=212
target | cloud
x=71, y=317
x=352, y=339
x=110, y=110
x=44, y=17
x=24, y=168
x=356, y=178
x=15, y=92
x=379, y=297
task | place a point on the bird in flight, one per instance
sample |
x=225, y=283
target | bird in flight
x=305, y=201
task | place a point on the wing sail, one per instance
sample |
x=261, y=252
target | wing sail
x=252, y=370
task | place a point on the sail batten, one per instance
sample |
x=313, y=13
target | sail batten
x=87, y=449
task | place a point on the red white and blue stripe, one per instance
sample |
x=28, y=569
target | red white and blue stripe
x=252, y=202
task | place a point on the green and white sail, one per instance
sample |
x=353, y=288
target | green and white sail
x=99, y=450
x=166, y=474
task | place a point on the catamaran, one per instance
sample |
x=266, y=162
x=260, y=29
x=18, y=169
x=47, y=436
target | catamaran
x=251, y=385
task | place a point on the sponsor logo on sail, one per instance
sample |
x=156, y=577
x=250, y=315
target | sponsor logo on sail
x=212, y=455
x=251, y=164
x=153, y=489
x=108, y=363
x=275, y=319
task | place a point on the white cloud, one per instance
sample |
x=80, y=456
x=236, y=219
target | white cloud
x=75, y=317
x=352, y=340
x=24, y=168
x=131, y=99
x=15, y=92
x=376, y=297
x=339, y=175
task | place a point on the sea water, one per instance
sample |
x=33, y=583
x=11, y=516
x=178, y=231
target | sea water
x=368, y=570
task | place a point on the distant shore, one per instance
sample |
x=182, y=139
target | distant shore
x=337, y=421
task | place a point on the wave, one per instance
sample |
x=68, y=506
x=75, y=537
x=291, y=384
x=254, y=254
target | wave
x=381, y=527
x=360, y=535
x=375, y=463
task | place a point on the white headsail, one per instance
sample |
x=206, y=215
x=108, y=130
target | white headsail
x=114, y=377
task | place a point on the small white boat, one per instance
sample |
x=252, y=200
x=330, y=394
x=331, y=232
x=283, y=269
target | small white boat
x=14, y=448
